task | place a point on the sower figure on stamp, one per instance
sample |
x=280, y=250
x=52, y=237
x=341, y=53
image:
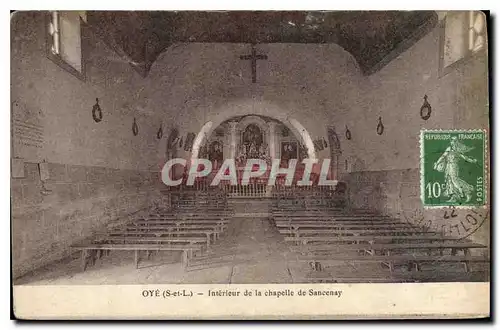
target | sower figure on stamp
x=455, y=187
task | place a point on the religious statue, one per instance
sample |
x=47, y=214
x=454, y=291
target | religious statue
x=216, y=154
x=303, y=151
x=288, y=151
x=252, y=141
x=240, y=157
x=252, y=151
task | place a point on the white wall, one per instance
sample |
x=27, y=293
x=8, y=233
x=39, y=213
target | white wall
x=196, y=83
x=71, y=135
x=458, y=99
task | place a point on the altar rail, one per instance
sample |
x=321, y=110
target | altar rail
x=252, y=190
x=260, y=189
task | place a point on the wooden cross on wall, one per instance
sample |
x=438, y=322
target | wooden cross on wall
x=253, y=57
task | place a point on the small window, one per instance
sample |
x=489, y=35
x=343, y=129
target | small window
x=463, y=34
x=64, y=41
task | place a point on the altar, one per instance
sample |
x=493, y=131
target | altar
x=252, y=137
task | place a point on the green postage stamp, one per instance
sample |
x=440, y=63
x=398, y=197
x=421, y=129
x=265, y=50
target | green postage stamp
x=452, y=168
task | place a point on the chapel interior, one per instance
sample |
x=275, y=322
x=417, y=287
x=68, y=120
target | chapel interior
x=101, y=100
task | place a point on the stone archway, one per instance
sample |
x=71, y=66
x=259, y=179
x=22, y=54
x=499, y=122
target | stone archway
x=244, y=109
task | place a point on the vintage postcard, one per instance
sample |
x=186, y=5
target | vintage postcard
x=250, y=164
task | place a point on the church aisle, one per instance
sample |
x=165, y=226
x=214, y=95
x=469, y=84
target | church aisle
x=251, y=251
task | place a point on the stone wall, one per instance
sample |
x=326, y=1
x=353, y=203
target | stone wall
x=382, y=171
x=98, y=172
x=75, y=202
x=70, y=135
x=459, y=100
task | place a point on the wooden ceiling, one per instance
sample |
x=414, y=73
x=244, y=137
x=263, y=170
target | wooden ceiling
x=372, y=37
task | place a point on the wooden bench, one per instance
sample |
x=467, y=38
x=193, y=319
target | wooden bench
x=395, y=276
x=220, y=226
x=322, y=209
x=328, y=212
x=307, y=211
x=210, y=234
x=182, y=219
x=196, y=211
x=329, y=231
x=159, y=240
x=341, y=223
x=201, y=212
x=187, y=216
x=176, y=225
x=411, y=260
x=203, y=221
x=333, y=225
x=300, y=216
x=345, y=227
x=367, y=238
x=340, y=253
x=452, y=244
x=85, y=248
x=216, y=230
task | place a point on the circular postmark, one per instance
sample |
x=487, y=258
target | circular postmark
x=450, y=221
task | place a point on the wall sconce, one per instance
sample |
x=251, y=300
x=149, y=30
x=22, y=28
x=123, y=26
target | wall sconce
x=380, y=126
x=347, y=133
x=96, y=111
x=159, y=134
x=135, y=128
x=426, y=109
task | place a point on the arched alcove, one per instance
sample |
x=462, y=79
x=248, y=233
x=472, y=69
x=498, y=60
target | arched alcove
x=266, y=109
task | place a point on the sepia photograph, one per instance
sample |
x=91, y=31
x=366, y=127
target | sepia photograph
x=292, y=151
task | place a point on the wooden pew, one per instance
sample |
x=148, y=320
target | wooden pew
x=199, y=210
x=394, y=276
x=179, y=221
x=157, y=224
x=171, y=241
x=321, y=219
x=328, y=231
x=211, y=233
x=167, y=240
x=356, y=239
x=216, y=230
x=342, y=224
x=330, y=215
x=86, y=248
x=175, y=226
x=411, y=260
x=346, y=217
x=180, y=216
x=451, y=243
x=336, y=225
x=334, y=253
x=310, y=211
x=321, y=208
